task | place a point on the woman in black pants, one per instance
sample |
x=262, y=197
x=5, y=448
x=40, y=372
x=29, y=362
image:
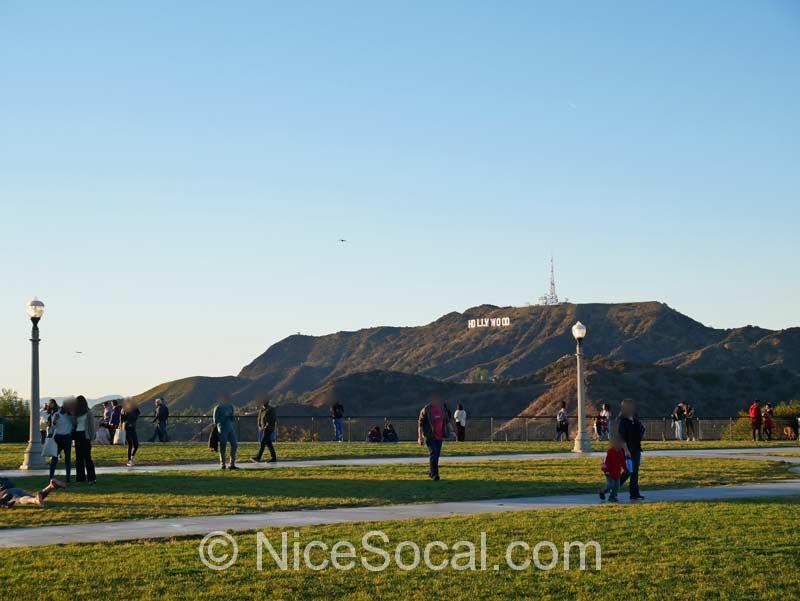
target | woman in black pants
x=83, y=435
x=62, y=424
x=131, y=413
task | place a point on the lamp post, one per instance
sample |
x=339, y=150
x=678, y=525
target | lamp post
x=582, y=442
x=32, y=459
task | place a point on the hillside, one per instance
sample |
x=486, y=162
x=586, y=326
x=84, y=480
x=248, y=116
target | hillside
x=648, y=350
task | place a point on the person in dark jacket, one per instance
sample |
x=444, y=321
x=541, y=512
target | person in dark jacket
x=130, y=415
x=267, y=420
x=434, y=426
x=337, y=416
x=160, y=416
x=631, y=431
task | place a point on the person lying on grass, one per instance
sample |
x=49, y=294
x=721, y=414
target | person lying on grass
x=11, y=496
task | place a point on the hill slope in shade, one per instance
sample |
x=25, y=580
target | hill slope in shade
x=648, y=350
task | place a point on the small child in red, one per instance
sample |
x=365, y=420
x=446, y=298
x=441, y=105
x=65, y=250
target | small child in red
x=614, y=468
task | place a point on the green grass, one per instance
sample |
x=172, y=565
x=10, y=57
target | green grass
x=166, y=494
x=151, y=454
x=743, y=550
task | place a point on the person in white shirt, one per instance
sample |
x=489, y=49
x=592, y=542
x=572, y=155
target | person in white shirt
x=460, y=417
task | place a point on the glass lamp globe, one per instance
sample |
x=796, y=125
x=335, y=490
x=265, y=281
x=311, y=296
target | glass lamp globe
x=35, y=308
x=579, y=331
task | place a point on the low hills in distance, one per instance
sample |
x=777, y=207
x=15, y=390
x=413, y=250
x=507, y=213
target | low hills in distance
x=646, y=351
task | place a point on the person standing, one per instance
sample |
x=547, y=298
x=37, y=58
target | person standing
x=114, y=419
x=768, y=421
x=605, y=417
x=160, y=416
x=562, y=423
x=337, y=416
x=267, y=420
x=83, y=435
x=44, y=419
x=224, y=420
x=679, y=421
x=433, y=428
x=691, y=429
x=631, y=431
x=755, y=420
x=106, y=419
x=130, y=414
x=461, y=423
x=62, y=426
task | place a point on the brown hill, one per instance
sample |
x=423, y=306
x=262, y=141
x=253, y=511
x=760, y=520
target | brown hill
x=650, y=350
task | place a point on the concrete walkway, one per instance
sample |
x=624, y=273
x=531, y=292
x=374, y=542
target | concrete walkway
x=749, y=453
x=201, y=525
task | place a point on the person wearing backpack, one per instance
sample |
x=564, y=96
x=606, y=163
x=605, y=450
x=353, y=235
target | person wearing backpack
x=434, y=426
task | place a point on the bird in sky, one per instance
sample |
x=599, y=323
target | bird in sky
x=342, y=240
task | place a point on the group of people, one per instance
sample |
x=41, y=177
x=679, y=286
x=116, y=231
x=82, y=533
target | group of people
x=223, y=435
x=388, y=434
x=762, y=420
x=684, y=422
x=65, y=426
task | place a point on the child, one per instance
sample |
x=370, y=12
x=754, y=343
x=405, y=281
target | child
x=614, y=468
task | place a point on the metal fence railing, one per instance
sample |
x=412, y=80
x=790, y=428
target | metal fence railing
x=196, y=428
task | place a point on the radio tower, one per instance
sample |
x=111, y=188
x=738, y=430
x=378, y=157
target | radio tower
x=551, y=298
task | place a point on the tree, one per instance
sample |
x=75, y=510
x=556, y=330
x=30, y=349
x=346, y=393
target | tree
x=478, y=374
x=11, y=404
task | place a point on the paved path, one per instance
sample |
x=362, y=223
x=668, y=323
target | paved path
x=148, y=529
x=749, y=453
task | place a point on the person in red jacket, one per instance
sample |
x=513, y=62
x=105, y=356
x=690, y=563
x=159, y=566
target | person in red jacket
x=614, y=467
x=755, y=420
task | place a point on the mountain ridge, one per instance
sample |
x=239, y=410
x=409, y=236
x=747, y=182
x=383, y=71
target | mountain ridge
x=446, y=350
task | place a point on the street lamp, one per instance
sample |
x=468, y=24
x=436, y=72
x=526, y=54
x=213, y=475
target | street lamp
x=582, y=443
x=32, y=458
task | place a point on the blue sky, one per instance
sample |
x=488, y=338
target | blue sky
x=174, y=176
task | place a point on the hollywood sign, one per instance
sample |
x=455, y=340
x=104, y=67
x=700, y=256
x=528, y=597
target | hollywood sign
x=489, y=322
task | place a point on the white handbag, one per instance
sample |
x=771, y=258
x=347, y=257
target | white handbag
x=119, y=436
x=49, y=448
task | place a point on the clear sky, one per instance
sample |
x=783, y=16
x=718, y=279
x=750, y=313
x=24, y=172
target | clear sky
x=174, y=175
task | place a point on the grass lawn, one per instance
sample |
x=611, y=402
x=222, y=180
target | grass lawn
x=739, y=550
x=152, y=454
x=166, y=494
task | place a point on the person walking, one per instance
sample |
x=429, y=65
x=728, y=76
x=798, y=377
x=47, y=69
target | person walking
x=337, y=416
x=631, y=431
x=461, y=423
x=130, y=414
x=562, y=423
x=266, y=431
x=224, y=420
x=83, y=435
x=755, y=420
x=160, y=417
x=62, y=425
x=433, y=428
x=614, y=468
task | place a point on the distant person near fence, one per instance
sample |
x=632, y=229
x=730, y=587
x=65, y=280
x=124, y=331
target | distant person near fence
x=337, y=417
x=755, y=420
x=160, y=417
x=562, y=424
x=267, y=420
x=460, y=417
x=224, y=418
